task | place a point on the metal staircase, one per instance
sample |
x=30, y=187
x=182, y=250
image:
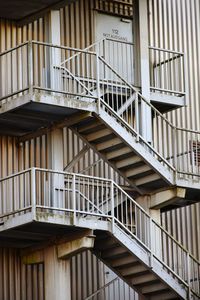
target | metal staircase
x=128, y=240
x=138, y=249
x=114, y=129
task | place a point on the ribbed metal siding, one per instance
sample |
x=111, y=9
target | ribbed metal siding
x=86, y=275
x=172, y=21
x=18, y=281
x=176, y=25
x=15, y=157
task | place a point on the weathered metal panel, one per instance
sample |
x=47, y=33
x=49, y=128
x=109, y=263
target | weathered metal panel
x=86, y=275
x=18, y=281
x=176, y=25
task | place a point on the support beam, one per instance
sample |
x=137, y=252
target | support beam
x=69, y=249
x=166, y=197
x=36, y=257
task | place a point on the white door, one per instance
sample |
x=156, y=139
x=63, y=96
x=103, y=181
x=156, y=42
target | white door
x=118, y=49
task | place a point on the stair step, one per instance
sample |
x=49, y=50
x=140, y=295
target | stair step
x=165, y=295
x=132, y=271
x=137, y=171
x=109, y=144
x=127, y=162
x=144, y=278
x=114, y=253
x=99, y=134
x=117, y=154
x=153, y=288
x=117, y=263
x=91, y=127
x=146, y=179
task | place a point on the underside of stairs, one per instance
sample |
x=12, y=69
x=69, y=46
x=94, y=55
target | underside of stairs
x=124, y=153
x=136, y=267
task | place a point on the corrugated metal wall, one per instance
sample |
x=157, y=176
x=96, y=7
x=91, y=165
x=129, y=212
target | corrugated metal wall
x=17, y=281
x=170, y=20
x=86, y=275
x=26, y=282
x=175, y=24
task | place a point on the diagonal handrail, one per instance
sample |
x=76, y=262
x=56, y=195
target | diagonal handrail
x=168, y=156
x=89, y=194
x=103, y=288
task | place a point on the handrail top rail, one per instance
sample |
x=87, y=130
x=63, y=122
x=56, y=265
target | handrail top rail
x=34, y=169
x=148, y=103
x=34, y=42
x=82, y=50
x=167, y=50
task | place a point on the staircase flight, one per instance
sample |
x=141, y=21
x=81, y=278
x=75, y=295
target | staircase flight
x=128, y=240
x=115, y=129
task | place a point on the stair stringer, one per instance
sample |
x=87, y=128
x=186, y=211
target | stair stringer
x=106, y=160
x=152, y=263
x=132, y=142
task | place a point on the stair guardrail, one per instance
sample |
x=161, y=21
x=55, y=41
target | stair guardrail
x=79, y=196
x=174, y=147
x=167, y=71
x=86, y=76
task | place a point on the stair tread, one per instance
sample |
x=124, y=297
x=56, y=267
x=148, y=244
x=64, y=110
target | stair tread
x=109, y=144
x=134, y=270
x=141, y=170
x=119, y=154
x=144, y=279
x=123, y=261
x=115, y=253
x=92, y=126
x=128, y=162
x=154, y=288
x=99, y=134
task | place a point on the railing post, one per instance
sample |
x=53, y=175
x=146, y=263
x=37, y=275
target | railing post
x=33, y=192
x=174, y=143
x=185, y=78
x=98, y=84
x=188, y=275
x=151, y=242
x=30, y=67
x=112, y=206
x=137, y=117
x=74, y=198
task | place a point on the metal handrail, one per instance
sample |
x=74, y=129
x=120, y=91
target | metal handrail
x=102, y=288
x=90, y=183
x=172, y=165
x=166, y=50
x=95, y=178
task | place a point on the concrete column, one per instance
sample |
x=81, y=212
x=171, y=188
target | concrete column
x=57, y=276
x=145, y=111
x=54, y=37
x=57, y=162
x=57, y=271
